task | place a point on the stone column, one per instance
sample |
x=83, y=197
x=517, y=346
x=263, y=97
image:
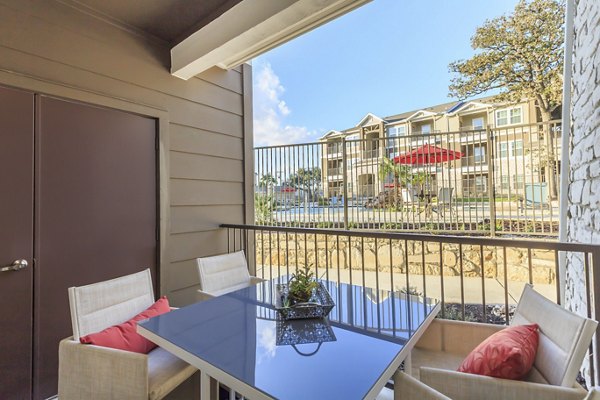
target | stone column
x=583, y=216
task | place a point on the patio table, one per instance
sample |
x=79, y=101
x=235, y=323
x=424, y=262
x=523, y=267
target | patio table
x=240, y=340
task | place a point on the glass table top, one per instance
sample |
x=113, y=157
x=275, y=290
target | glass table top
x=341, y=356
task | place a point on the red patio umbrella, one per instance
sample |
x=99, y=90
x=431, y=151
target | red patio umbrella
x=427, y=154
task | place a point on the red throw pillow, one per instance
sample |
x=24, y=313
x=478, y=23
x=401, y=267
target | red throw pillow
x=124, y=336
x=507, y=354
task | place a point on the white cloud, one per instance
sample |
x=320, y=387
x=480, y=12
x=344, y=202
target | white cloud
x=270, y=112
x=267, y=342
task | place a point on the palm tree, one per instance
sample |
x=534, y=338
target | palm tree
x=267, y=181
x=400, y=173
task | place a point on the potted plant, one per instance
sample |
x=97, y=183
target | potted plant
x=301, y=286
x=303, y=297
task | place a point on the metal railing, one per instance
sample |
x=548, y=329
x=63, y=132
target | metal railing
x=506, y=182
x=475, y=278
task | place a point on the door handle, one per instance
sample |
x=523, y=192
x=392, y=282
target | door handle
x=15, y=266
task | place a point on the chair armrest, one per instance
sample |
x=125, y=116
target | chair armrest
x=408, y=388
x=458, y=385
x=254, y=280
x=202, y=295
x=87, y=371
x=457, y=337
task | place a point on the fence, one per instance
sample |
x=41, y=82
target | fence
x=494, y=181
x=476, y=279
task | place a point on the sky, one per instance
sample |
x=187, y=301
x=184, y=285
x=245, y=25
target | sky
x=386, y=57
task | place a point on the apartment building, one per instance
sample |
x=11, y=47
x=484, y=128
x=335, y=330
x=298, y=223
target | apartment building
x=522, y=160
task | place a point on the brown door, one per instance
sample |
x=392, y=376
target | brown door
x=96, y=212
x=16, y=242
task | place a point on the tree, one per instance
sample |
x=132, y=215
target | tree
x=400, y=173
x=263, y=208
x=267, y=181
x=308, y=179
x=522, y=55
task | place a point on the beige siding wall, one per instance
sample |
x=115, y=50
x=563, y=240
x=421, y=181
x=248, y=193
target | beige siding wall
x=205, y=131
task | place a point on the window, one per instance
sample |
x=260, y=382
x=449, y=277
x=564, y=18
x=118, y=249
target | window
x=480, y=184
x=393, y=132
x=505, y=183
x=352, y=137
x=518, y=181
x=516, y=148
x=510, y=116
x=479, y=154
x=396, y=131
x=477, y=123
x=333, y=148
x=515, y=115
x=503, y=149
x=501, y=117
x=426, y=129
x=512, y=149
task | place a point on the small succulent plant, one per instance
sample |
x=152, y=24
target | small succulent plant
x=301, y=286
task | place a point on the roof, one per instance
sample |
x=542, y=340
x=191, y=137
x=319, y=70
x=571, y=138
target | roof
x=168, y=21
x=440, y=108
x=369, y=119
x=470, y=106
x=332, y=133
x=444, y=108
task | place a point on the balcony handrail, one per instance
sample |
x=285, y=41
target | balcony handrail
x=451, y=239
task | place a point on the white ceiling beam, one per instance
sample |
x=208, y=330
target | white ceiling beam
x=251, y=28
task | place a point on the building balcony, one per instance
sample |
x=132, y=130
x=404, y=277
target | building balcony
x=471, y=164
x=334, y=173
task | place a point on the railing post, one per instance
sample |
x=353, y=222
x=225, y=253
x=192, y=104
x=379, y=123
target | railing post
x=491, y=186
x=595, y=314
x=345, y=181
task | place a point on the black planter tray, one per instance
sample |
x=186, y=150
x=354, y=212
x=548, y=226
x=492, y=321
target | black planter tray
x=319, y=305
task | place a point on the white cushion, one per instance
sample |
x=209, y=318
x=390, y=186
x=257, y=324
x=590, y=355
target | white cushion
x=165, y=373
x=434, y=359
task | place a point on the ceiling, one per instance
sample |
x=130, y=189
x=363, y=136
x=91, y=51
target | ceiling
x=169, y=20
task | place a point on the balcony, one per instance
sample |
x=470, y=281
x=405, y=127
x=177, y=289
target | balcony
x=474, y=164
x=334, y=173
x=473, y=136
x=370, y=153
x=200, y=170
x=471, y=128
x=474, y=279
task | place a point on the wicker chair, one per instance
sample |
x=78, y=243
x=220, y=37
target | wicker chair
x=94, y=372
x=564, y=340
x=223, y=274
